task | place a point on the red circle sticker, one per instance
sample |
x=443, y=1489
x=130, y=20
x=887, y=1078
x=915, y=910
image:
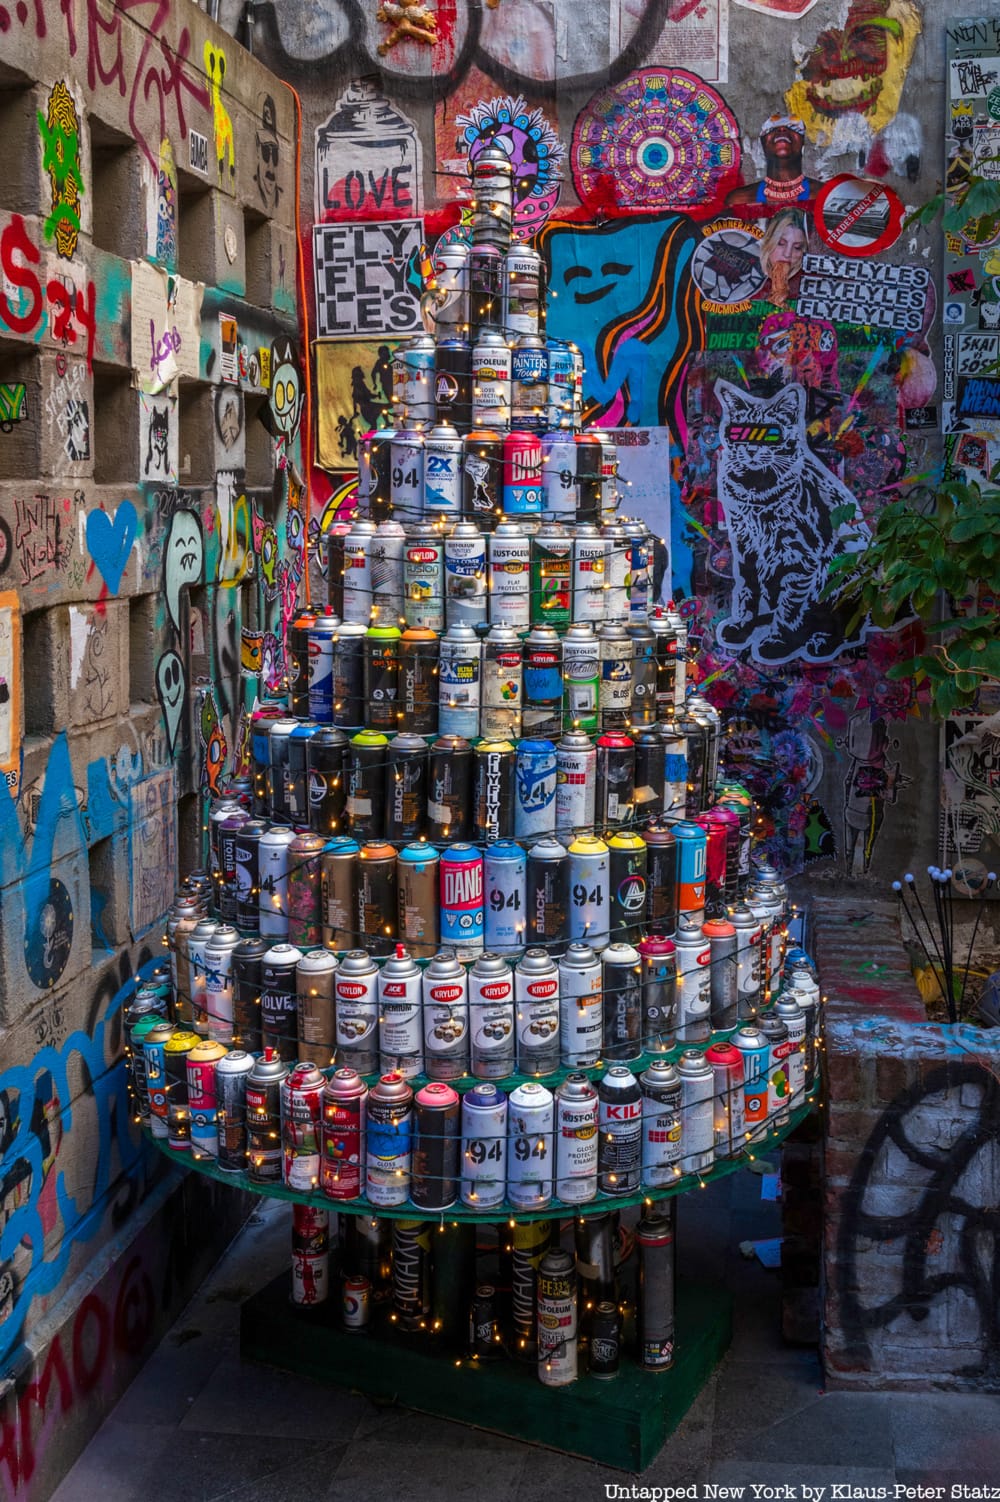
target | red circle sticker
x=857, y=218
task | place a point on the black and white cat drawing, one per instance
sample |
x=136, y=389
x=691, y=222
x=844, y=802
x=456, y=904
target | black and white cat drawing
x=779, y=503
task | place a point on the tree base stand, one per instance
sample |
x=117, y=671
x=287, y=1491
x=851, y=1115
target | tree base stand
x=621, y=1423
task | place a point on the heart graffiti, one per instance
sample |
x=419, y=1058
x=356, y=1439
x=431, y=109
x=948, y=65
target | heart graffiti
x=110, y=542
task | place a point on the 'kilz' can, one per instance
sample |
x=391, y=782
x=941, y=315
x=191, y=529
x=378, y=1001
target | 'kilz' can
x=484, y=1146
x=445, y=989
x=504, y=884
x=462, y=916
x=436, y=1145
x=536, y=992
x=491, y=1018
x=530, y=1120
x=389, y=1142
x=576, y=1140
x=661, y=1124
x=619, y=1142
x=342, y=1139
x=581, y=1014
x=557, y=1319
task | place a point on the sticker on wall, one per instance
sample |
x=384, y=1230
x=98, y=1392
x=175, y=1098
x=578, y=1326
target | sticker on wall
x=850, y=83
x=268, y=148
x=694, y=36
x=353, y=396
x=229, y=348
x=48, y=936
x=531, y=144
x=970, y=800
x=364, y=279
x=286, y=394
x=788, y=10
x=726, y=266
x=161, y=213
x=784, y=184
x=158, y=439
x=657, y=140
x=156, y=339
x=60, y=133
x=10, y=691
x=857, y=218
x=876, y=294
x=183, y=560
x=368, y=159
x=229, y=426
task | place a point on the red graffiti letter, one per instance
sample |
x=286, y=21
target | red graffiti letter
x=15, y=240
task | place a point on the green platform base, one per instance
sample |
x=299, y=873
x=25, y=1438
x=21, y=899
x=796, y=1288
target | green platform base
x=622, y=1423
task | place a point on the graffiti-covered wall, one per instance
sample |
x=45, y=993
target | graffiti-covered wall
x=719, y=190
x=150, y=546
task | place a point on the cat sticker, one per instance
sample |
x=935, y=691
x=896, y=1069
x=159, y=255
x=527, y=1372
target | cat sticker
x=787, y=517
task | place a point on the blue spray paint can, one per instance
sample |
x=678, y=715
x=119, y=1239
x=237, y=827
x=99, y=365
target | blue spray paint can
x=535, y=789
x=462, y=917
x=504, y=875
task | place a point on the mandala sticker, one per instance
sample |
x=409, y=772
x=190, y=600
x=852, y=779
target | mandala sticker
x=534, y=150
x=660, y=139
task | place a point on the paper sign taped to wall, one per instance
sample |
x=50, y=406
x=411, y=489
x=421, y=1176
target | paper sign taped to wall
x=155, y=338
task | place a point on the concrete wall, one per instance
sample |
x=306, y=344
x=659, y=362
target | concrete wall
x=651, y=123
x=147, y=290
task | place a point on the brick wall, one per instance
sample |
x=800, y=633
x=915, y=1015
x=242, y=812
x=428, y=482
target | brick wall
x=912, y=1171
x=147, y=286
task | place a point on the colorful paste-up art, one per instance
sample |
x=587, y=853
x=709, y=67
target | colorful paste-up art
x=161, y=237
x=657, y=140
x=970, y=799
x=529, y=141
x=158, y=439
x=857, y=218
x=623, y=293
x=409, y=20
x=643, y=479
x=368, y=159
x=353, y=396
x=726, y=266
x=971, y=311
x=365, y=283
x=694, y=34
x=286, y=394
x=784, y=183
x=850, y=83
x=60, y=131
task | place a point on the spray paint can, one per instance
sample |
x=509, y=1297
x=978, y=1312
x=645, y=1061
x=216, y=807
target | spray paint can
x=298, y=773
x=557, y=1319
x=543, y=687
x=298, y=662
x=590, y=556
x=263, y=1108
x=381, y=671
x=484, y=1146
x=326, y=776
x=505, y=897
x=692, y=847
x=530, y=1126
x=534, y=789
x=219, y=982
x=756, y=1053
x=491, y=1018
x=779, y=1084
x=202, y=1099
x=231, y=1073
x=406, y=483
x=655, y=1239
x=536, y=993
x=615, y=692
x=694, y=982
x=481, y=467
x=531, y=1240
x=561, y=413
x=305, y=907
x=616, y=574
x=674, y=768
x=748, y=958
x=560, y=493
x=622, y=985
x=342, y=1135
x=301, y=1116
x=445, y=989
x=349, y=675
x=522, y=474
x=279, y=1023
x=418, y=674
x=377, y=898
x=451, y=282
x=552, y=576
x=493, y=794
x=453, y=380
x=389, y=1142
x=661, y=1124
x=462, y=915
x=661, y=870
x=589, y=892
x=576, y=785
x=198, y=941
x=500, y=715
x=548, y=895
x=581, y=678
x=659, y=994
x=322, y=634
x=697, y=1112
x=465, y=575
x=486, y=261
x=443, y=471
x=640, y=574
x=787, y=1008
x=412, y=380
x=715, y=863
x=366, y=784
x=576, y=1140
x=523, y=293
x=619, y=1150
x=154, y=1056
x=406, y=786
x=615, y=794
x=387, y=573
x=436, y=1147
x=492, y=373
x=510, y=575
x=357, y=565
x=247, y=984
x=417, y=882
x=650, y=772
x=727, y=1068
x=581, y=1007
x=356, y=993
x=449, y=793
x=310, y=1256
x=627, y=878
x=274, y=846
x=316, y=1007
x=460, y=682
x=338, y=879
x=721, y=934
x=423, y=577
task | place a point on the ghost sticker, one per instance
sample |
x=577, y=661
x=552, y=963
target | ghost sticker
x=286, y=391
x=184, y=557
x=171, y=688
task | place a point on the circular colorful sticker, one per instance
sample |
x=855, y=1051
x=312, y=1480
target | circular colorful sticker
x=48, y=937
x=726, y=265
x=857, y=218
x=660, y=139
x=534, y=149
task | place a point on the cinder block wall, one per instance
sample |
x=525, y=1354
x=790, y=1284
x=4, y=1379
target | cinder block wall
x=147, y=280
x=912, y=1171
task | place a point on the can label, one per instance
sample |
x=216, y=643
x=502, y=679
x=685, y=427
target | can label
x=661, y=1137
x=510, y=603
x=300, y=1137
x=576, y=1150
x=462, y=917
x=443, y=475
x=340, y=1167
x=491, y=1026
